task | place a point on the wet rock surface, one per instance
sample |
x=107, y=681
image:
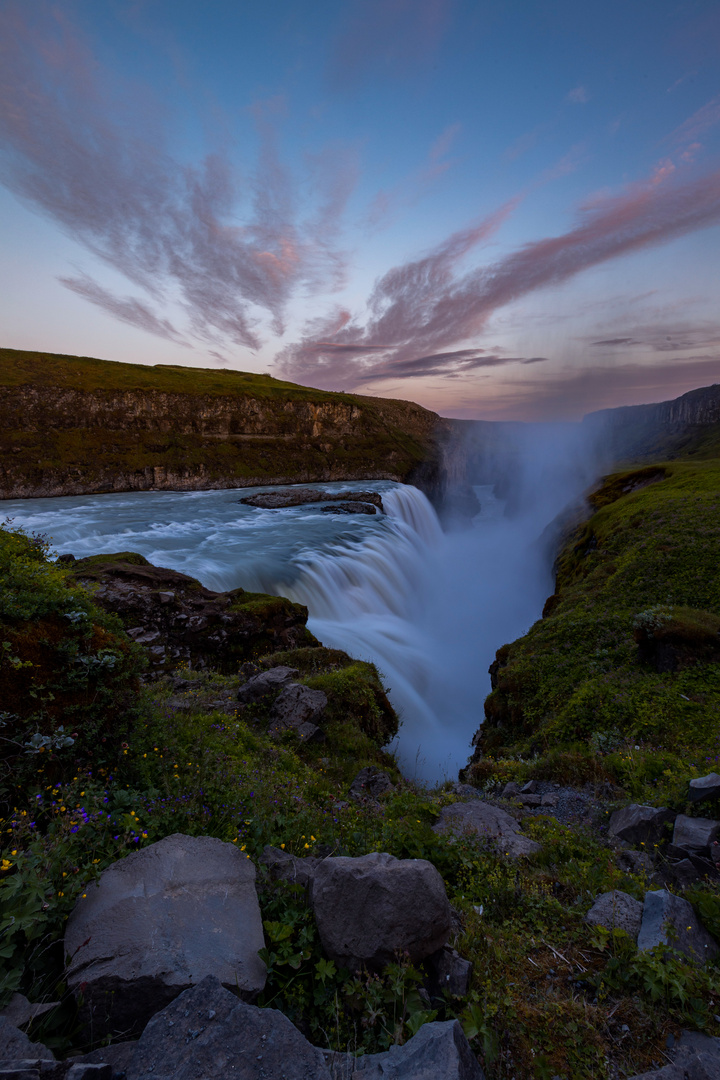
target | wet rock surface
x=178, y=621
x=288, y=497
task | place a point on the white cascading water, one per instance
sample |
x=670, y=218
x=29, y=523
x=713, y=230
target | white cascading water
x=428, y=607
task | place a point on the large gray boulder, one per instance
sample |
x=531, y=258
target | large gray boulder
x=670, y=920
x=266, y=683
x=695, y=834
x=160, y=921
x=617, y=910
x=637, y=824
x=208, y=1034
x=370, y=909
x=298, y=709
x=704, y=787
x=16, y=1046
x=439, y=1051
x=482, y=819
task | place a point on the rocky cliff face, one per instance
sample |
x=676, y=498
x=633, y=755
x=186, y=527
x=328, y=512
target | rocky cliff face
x=72, y=426
x=641, y=429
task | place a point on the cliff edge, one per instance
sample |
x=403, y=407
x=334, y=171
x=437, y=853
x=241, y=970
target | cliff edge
x=73, y=425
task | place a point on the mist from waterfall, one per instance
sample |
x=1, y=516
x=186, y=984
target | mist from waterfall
x=431, y=607
x=429, y=604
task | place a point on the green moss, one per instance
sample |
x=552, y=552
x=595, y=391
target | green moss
x=629, y=649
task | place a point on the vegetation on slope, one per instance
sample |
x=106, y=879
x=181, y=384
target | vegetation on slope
x=69, y=424
x=549, y=997
x=628, y=652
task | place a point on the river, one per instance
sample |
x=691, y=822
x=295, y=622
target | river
x=429, y=607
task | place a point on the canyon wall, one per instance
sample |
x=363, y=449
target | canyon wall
x=76, y=425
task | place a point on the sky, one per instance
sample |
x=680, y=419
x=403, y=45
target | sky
x=500, y=209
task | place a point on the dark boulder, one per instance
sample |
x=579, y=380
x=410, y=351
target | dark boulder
x=670, y=920
x=695, y=834
x=487, y=822
x=268, y=683
x=640, y=825
x=208, y=1034
x=283, y=866
x=369, y=784
x=372, y=909
x=617, y=910
x=704, y=787
x=448, y=973
x=298, y=709
x=15, y=1045
x=439, y=1051
x=159, y=921
x=282, y=498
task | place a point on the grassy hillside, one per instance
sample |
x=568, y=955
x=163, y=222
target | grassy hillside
x=75, y=424
x=624, y=669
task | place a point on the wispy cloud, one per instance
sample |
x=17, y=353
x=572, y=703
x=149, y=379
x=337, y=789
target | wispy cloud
x=170, y=228
x=422, y=307
x=128, y=309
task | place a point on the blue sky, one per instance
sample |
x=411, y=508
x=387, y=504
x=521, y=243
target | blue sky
x=497, y=209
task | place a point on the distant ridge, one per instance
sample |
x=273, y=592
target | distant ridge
x=686, y=425
x=73, y=425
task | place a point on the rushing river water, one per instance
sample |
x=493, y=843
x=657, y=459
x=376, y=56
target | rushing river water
x=429, y=607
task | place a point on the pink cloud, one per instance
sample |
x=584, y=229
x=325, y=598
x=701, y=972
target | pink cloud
x=128, y=309
x=102, y=172
x=422, y=307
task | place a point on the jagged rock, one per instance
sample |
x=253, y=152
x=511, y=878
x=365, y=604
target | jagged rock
x=439, y=1051
x=530, y=801
x=370, y=783
x=117, y=1056
x=511, y=790
x=466, y=791
x=704, y=787
x=694, y=868
x=617, y=910
x=634, y=862
x=159, y=921
x=370, y=909
x=286, y=497
x=638, y=824
x=267, y=682
x=298, y=709
x=663, y=912
x=549, y=800
x=19, y=1011
x=449, y=973
x=283, y=866
x=698, y=1055
x=486, y=821
x=15, y=1045
x=179, y=621
x=530, y=788
x=208, y=1034
x=695, y=834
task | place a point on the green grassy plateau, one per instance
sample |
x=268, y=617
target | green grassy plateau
x=72, y=424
